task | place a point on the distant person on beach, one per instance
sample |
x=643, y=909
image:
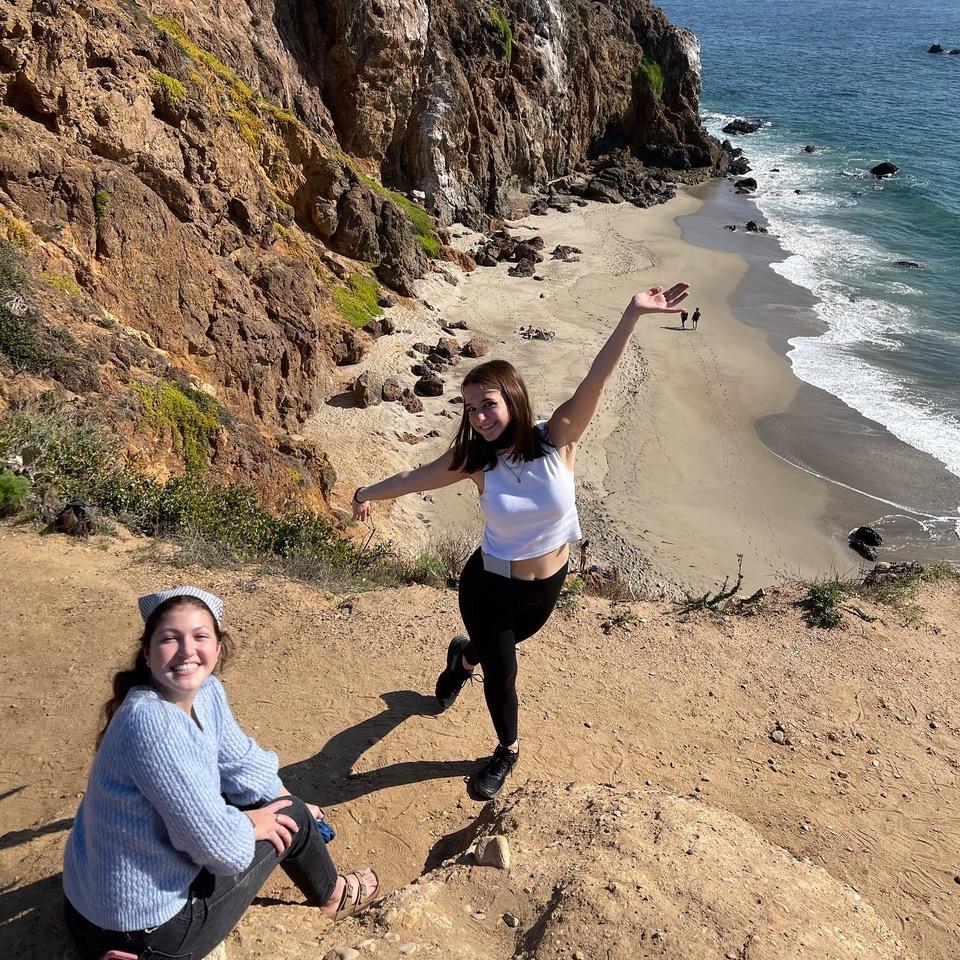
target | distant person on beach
x=184, y=816
x=683, y=319
x=695, y=318
x=523, y=471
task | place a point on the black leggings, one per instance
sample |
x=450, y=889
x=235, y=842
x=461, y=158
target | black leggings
x=215, y=903
x=500, y=612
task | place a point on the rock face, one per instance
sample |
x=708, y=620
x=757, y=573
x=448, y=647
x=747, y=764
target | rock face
x=626, y=875
x=469, y=106
x=211, y=176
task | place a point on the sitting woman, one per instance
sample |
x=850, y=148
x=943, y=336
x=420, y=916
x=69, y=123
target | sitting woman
x=184, y=816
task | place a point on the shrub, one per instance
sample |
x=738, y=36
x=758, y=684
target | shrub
x=573, y=589
x=72, y=460
x=188, y=415
x=429, y=569
x=498, y=18
x=13, y=490
x=357, y=301
x=822, y=604
x=167, y=90
x=650, y=74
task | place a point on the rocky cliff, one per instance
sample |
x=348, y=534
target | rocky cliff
x=194, y=193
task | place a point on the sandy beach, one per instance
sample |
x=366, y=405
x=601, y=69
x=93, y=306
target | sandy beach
x=673, y=480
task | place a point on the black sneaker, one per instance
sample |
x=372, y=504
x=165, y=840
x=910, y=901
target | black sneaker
x=451, y=681
x=489, y=780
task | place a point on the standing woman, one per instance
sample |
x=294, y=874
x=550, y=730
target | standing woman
x=524, y=475
x=184, y=816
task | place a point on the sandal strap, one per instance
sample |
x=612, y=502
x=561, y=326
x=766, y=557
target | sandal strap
x=352, y=900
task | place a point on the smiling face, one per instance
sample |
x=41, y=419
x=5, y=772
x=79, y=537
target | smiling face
x=488, y=411
x=183, y=651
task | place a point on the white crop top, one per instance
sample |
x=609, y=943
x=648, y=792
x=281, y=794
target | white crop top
x=529, y=507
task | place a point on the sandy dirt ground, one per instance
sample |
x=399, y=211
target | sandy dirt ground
x=865, y=786
x=673, y=482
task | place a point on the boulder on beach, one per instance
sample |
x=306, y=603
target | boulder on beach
x=739, y=167
x=935, y=48
x=429, y=385
x=742, y=126
x=476, y=347
x=368, y=389
x=524, y=268
x=885, y=169
x=754, y=227
x=747, y=183
x=954, y=52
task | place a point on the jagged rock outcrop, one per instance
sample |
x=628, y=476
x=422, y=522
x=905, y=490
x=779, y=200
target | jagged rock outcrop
x=468, y=105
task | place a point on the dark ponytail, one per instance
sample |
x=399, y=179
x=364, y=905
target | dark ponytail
x=138, y=675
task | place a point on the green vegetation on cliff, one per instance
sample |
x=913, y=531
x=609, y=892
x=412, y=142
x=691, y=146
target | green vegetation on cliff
x=189, y=416
x=498, y=18
x=250, y=108
x=649, y=73
x=422, y=225
x=167, y=91
x=357, y=301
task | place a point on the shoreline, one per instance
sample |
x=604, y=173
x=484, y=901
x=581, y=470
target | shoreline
x=677, y=474
x=908, y=492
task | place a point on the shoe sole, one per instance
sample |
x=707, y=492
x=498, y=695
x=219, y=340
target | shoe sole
x=454, y=652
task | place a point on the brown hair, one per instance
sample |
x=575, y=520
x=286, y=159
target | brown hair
x=521, y=441
x=138, y=675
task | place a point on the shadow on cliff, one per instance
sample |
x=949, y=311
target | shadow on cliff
x=327, y=779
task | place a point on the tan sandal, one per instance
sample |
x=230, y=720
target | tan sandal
x=353, y=900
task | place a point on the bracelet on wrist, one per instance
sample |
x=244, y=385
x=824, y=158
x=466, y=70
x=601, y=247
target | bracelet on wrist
x=356, y=499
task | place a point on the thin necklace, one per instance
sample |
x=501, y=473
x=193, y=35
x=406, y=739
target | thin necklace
x=516, y=474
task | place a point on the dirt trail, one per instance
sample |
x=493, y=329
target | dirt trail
x=868, y=788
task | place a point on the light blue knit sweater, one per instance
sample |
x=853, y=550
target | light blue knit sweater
x=153, y=813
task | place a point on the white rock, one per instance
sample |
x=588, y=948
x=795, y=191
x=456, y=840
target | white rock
x=493, y=852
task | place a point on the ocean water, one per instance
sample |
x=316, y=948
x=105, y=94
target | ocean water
x=855, y=81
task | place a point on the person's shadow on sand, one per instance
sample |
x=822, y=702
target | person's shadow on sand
x=327, y=779
x=682, y=329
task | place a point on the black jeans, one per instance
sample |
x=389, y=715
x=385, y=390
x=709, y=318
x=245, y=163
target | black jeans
x=216, y=904
x=500, y=612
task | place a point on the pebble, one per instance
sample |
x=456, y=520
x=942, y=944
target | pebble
x=342, y=953
x=510, y=920
x=842, y=774
x=778, y=736
x=407, y=948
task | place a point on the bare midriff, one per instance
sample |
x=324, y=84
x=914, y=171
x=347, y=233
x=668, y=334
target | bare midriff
x=539, y=568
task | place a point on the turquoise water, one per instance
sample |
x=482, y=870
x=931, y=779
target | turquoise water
x=855, y=81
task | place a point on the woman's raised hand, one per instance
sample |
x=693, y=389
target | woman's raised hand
x=270, y=824
x=361, y=509
x=658, y=300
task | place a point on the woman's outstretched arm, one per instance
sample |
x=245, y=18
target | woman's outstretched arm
x=431, y=476
x=572, y=417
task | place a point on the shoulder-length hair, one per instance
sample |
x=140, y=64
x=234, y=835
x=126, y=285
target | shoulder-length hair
x=522, y=440
x=138, y=674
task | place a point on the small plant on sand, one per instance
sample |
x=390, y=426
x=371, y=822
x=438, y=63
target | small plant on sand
x=357, y=301
x=498, y=18
x=649, y=73
x=428, y=569
x=574, y=588
x=13, y=491
x=823, y=604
